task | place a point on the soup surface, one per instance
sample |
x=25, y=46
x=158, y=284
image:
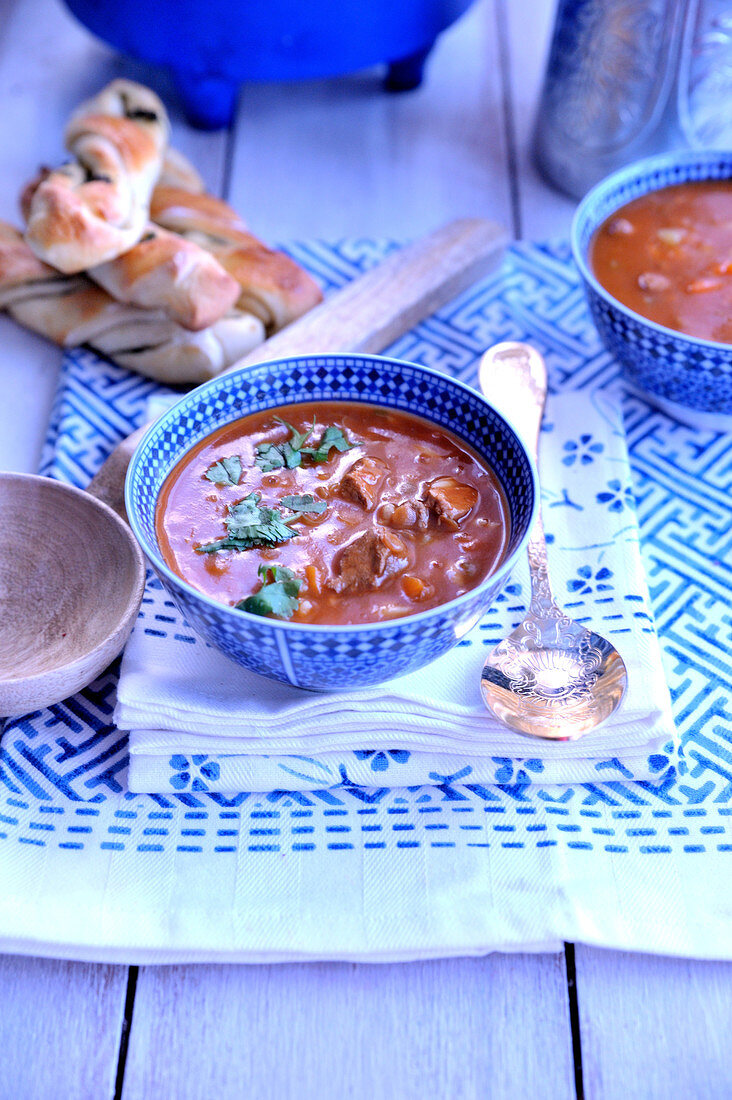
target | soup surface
x=668, y=256
x=333, y=512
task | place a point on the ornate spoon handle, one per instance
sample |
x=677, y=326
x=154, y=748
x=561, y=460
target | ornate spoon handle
x=513, y=376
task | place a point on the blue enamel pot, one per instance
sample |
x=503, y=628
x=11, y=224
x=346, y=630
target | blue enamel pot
x=210, y=47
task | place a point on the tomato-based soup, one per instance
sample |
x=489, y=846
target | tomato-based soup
x=668, y=256
x=333, y=512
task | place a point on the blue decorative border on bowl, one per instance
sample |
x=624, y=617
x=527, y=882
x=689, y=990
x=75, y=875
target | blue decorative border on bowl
x=694, y=373
x=331, y=657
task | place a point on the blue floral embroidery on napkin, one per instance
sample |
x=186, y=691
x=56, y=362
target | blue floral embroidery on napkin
x=192, y=774
x=616, y=496
x=515, y=772
x=583, y=450
x=380, y=760
x=587, y=582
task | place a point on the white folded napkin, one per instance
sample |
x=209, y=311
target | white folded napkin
x=200, y=722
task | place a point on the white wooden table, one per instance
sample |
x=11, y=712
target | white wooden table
x=337, y=159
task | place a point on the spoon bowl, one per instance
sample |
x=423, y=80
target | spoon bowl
x=71, y=582
x=556, y=682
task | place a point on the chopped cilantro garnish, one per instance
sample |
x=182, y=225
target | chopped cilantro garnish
x=250, y=520
x=275, y=456
x=250, y=525
x=304, y=504
x=331, y=437
x=227, y=471
x=277, y=596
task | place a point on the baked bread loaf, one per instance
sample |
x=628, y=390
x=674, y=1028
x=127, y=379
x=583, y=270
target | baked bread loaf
x=96, y=207
x=162, y=271
x=273, y=286
x=165, y=271
x=71, y=310
x=200, y=217
x=177, y=171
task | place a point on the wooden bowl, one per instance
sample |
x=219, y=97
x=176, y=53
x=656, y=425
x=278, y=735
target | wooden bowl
x=71, y=582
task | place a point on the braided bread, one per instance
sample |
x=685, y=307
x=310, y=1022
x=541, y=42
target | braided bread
x=166, y=271
x=70, y=310
x=198, y=216
x=273, y=286
x=94, y=208
x=162, y=271
x=177, y=171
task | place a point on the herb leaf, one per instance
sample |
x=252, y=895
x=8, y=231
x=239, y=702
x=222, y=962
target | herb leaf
x=277, y=596
x=331, y=437
x=269, y=457
x=298, y=438
x=275, y=456
x=250, y=525
x=227, y=471
x=305, y=503
x=249, y=520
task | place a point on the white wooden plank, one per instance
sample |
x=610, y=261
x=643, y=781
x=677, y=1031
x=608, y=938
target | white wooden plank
x=527, y=28
x=654, y=1027
x=343, y=158
x=60, y=1028
x=496, y=1026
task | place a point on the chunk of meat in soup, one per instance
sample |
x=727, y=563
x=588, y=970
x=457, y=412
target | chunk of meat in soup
x=362, y=481
x=450, y=500
x=369, y=560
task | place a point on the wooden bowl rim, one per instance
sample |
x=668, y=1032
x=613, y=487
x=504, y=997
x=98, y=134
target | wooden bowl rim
x=133, y=602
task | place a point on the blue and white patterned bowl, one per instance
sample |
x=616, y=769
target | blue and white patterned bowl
x=679, y=372
x=331, y=657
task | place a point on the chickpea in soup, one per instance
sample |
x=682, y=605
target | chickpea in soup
x=334, y=513
x=668, y=256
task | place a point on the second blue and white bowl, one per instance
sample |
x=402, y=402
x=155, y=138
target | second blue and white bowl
x=681, y=373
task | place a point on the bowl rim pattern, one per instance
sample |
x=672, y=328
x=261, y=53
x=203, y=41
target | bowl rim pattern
x=414, y=619
x=584, y=216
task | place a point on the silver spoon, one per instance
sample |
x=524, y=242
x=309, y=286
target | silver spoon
x=551, y=677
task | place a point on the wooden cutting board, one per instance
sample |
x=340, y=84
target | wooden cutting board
x=366, y=315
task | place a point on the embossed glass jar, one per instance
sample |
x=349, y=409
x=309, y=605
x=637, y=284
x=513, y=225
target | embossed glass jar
x=626, y=78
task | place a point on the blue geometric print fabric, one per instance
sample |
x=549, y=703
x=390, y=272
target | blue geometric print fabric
x=91, y=871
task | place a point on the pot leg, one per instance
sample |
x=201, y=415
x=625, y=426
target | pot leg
x=406, y=74
x=209, y=100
